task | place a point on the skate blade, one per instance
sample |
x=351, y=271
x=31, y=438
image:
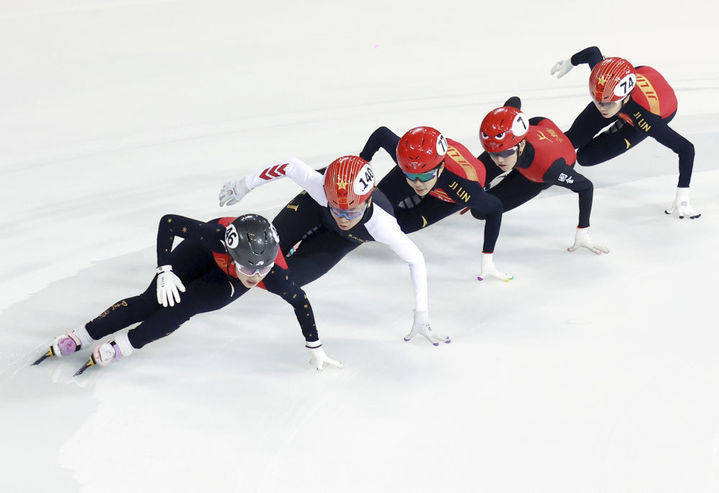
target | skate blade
x=90, y=362
x=49, y=354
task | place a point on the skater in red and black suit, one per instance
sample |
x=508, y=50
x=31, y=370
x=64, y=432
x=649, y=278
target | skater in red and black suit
x=536, y=155
x=217, y=262
x=434, y=178
x=637, y=102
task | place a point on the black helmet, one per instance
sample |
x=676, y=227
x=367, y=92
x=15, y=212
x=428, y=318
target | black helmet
x=252, y=241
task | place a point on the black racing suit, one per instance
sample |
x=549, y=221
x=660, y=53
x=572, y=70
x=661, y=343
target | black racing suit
x=621, y=136
x=323, y=243
x=208, y=287
x=414, y=213
x=516, y=189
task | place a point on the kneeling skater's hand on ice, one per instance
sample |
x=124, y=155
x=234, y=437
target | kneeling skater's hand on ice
x=168, y=285
x=489, y=270
x=583, y=240
x=681, y=206
x=233, y=191
x=420, y=326
x=319, y=358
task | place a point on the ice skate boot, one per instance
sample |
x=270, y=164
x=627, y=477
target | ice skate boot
x=68, y=343
x=106, y=353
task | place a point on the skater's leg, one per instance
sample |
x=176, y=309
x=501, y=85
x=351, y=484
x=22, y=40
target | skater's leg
x=189, y=261
x=514, y=191
x=428, y=211
x=210, y=292
x=616, y=140
x=317, y=254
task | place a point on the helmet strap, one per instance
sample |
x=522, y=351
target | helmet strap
x=440, y=168
x=520, y=148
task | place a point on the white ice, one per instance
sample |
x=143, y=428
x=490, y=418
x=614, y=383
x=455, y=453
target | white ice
x=583, y=374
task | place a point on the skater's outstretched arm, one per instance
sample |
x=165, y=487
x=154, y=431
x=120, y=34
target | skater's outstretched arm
x=295, y=169
x=591, y=56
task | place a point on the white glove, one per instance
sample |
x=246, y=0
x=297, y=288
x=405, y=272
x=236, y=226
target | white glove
x=681, y=206
x=233, y=191
x=582, y=239
x=168, y=285
x=489, y=270
x=561, y=68
x=420, y=326
x=318, y=357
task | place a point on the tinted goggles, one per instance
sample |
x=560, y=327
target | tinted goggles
x=423, y=177
x=608, y=104
x=253, y=271
x=505, y=153
x=348, y=214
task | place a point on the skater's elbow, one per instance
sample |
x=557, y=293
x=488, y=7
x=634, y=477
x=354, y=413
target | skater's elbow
x=167, y=219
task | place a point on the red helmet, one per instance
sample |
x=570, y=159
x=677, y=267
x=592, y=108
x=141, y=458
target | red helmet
x=503, y=128
x=421, y=149
x=612, y=79
x=349, y=182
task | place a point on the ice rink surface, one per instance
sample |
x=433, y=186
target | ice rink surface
x=583, y=374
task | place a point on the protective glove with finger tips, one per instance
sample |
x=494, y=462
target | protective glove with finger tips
x=232, y=192
x=681, y=207
x=583, y=240
x=420, y=326
x=169, y=286
x=318, y=357
x=561, y=68
x=490, y=271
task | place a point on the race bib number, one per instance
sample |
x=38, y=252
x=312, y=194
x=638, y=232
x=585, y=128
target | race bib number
x=442, y=145
x=625, y=85
x=520, y=125
x=364, y=181
x=231, y=237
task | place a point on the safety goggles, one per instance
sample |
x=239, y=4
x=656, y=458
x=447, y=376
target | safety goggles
x=253, y=271
x=505, y=153
x=423, y=177
x=608, y=104
x=348, y=214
